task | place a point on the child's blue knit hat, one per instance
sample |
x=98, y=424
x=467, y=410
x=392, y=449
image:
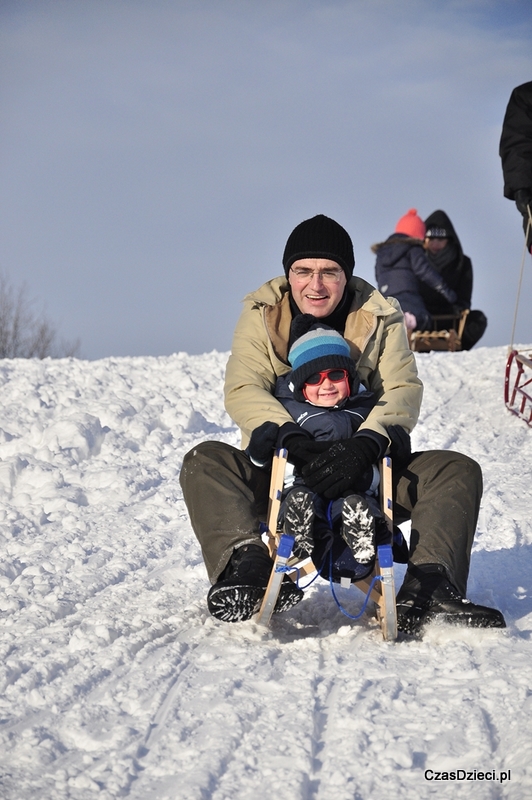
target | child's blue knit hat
x=319, y=349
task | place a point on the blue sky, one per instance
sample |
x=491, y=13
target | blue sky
x=156, y=154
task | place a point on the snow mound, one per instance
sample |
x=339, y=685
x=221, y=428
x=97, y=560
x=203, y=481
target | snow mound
x=115, y=682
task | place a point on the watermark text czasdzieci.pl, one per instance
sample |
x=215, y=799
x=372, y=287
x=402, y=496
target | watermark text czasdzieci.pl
x=468, y=775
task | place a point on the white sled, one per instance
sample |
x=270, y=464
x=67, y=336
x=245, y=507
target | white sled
x=379, y=585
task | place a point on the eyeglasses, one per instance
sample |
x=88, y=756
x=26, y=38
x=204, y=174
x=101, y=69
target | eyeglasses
x=334, y=375
x=303, y=275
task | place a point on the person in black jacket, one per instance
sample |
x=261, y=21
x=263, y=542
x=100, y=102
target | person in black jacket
x=402, y=269
x=446, y=256
x=515, y=151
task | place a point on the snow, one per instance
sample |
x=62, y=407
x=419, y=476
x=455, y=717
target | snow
x=116, y=682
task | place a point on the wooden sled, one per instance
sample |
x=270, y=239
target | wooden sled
x=379, y=585
x=447, y=334
x=518, y=385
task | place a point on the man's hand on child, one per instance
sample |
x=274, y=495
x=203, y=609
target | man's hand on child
x=261, y=444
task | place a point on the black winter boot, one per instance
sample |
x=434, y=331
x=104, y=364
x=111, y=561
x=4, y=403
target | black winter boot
x=427, y=595
x=238, y=593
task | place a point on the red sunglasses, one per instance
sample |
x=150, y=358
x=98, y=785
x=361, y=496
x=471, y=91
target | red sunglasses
x=334, y=375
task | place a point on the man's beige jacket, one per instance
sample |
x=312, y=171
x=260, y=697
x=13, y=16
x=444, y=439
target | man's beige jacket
x=377, y=337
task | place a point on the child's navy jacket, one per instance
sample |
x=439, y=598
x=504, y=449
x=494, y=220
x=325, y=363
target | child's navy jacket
x=339, y=422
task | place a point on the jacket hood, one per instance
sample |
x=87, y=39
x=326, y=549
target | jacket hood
x=439, y=219
x=394, y=248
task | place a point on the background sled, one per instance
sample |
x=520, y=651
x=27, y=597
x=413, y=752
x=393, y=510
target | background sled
x=447, y=334
x=518, y=385
x=518, y=374
x=379, y=586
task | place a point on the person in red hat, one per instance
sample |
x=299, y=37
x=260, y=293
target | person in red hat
x=402, y=267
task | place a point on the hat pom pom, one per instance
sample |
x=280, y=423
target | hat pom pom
x=411, y=225
x=301, y=324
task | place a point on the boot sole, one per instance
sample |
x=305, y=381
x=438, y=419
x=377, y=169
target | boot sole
x=358, y=529
x=298, y=522
x=240, y=603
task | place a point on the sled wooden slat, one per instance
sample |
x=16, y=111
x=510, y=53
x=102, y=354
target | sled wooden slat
x=387, y=492
x=276, y=578
x=274, y=503
x=279, y=558
x=383, y=593
x=449, y=339
x=387, y=611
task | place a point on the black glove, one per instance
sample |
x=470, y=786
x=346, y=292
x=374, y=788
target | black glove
x=338, y=469
x=400, y=445
x=262, y=443
x=301, y=448
x=523, y=199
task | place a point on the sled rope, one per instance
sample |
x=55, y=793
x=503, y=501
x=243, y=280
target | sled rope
x=331, y=582
x=366, y=599
x=292, y=568
x=529, y=225
x=375, y=579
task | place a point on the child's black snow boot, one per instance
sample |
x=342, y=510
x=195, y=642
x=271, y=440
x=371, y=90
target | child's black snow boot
x=358, y=528
x=298, y=520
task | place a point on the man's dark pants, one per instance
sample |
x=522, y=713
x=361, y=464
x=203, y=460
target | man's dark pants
x=439, y=490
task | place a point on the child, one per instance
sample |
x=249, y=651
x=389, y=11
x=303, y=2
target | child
x=400, y=267
x=324, y=395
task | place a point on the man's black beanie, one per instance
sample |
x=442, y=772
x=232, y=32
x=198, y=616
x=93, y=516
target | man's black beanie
x=320, y=237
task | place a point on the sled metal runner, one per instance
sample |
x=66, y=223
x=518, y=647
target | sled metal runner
x=447, y=334
x=280, y=546
x=518, y=385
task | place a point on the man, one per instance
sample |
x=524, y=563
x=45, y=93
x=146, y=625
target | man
x=226, y=493
x=516, y=153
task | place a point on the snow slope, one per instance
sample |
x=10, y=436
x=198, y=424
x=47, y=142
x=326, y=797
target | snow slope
x=115, y=682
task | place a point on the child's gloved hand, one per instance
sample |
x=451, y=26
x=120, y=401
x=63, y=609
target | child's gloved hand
x=301, y=448
x=341, y=466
